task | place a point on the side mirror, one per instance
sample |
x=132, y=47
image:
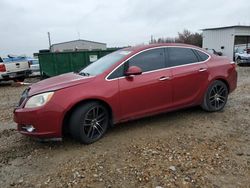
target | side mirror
x=133, y=70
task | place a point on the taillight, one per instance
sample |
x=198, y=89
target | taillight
x=2, y=68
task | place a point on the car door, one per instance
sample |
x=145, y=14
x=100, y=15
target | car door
x=189, y=75
x=149, y=92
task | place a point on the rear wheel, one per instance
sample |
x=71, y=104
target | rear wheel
x=89, y=122
x=216, y=96
x=20, y=79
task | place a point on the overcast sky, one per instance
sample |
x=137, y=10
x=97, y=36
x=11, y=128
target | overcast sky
x=25, y=23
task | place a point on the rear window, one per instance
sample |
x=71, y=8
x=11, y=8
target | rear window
x=34, y=62
x=202, y=55
x=181, y=56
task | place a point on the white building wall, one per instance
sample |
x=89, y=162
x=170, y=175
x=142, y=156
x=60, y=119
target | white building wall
x=215, y=39
x=242, y=32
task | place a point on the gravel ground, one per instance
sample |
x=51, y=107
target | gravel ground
x=187, y=148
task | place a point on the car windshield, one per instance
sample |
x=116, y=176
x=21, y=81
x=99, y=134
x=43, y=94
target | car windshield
x=104, y=63
x=34, y=62
x=240, y=50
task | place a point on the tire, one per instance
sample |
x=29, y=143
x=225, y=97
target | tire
x=238, y=62
x=216, y=96
x=44, y=76
x=21, y=79
x=89, y=122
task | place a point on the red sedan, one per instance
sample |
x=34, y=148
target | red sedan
x=128, y=84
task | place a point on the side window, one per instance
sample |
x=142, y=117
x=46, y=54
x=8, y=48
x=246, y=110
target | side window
x=181, y=56
x=149, y=60
x=117, y=73
x=203, y=56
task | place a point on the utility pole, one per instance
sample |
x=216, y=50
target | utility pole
x=152, y=39
x=49, y=40
x=79, y=35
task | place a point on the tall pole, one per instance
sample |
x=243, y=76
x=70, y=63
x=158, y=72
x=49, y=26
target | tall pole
x=152, y=39
x=79, y=35
x=49, y=40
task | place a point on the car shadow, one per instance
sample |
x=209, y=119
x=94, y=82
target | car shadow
x=5, y=83
x=160, y=118
x=124, y=128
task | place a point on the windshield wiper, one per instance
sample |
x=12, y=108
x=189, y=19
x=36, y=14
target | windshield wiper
x=84, y=74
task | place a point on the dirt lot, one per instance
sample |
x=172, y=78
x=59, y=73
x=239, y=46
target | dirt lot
x=188, y=148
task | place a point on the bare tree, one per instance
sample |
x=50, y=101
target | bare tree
x=190, y=38
x=186, y=37
x=163, y=40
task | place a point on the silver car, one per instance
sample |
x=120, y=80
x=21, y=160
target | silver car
x=34, y=67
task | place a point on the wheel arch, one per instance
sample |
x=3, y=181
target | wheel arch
x=65, y=123
x=211, y=81
x=204, y=104
x=224, y=80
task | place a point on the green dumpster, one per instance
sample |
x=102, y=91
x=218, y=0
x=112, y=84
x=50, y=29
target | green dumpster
x=52, y=64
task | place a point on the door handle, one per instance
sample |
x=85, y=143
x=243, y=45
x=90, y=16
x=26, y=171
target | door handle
x=202, y=70
x=163, y=78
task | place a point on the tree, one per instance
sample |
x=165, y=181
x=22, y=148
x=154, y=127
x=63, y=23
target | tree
x=190, y=38
x=186, y=37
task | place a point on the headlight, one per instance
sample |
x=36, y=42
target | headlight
x=39, y=100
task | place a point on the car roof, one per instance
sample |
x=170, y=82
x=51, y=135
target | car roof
x=149, y=46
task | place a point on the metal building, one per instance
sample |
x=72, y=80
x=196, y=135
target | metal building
x=77, y=45
x=227, y=40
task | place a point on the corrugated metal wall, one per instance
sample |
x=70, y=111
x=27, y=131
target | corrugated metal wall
x=215, y=39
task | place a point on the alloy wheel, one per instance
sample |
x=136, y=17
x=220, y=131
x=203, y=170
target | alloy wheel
x=218, y=96
x=94, y=122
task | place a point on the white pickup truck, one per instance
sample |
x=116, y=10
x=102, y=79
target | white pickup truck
x=14, y=70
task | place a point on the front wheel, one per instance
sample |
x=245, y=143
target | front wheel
x=89, y=122
x=216, y=96
x=238, y=61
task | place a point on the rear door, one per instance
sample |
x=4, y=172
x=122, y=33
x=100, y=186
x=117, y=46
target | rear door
x=189, y=75
x=149, y=92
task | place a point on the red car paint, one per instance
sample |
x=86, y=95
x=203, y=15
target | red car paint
x=128, y=97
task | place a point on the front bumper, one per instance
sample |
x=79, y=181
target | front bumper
x=244, y=61
x=46, y=121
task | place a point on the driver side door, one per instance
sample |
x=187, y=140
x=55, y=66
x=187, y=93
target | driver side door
x=150, y=92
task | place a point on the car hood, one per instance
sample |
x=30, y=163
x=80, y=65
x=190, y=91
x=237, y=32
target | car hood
x=58, y=82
